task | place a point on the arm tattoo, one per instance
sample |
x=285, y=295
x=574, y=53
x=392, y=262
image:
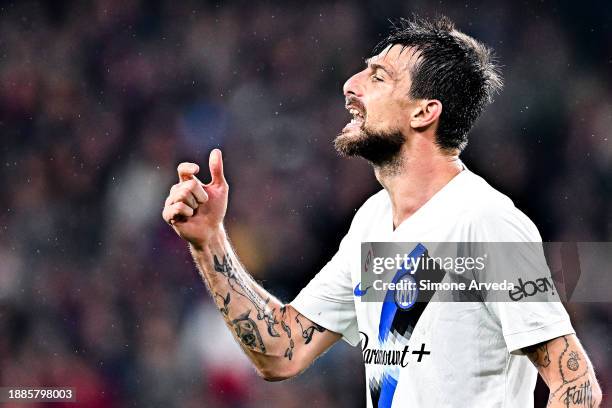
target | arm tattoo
x=580, y=395
x=308, y=332
x=285, y=326
x=572, y=362
x=576, y=389
x=289, y=351
x=538, y=354
x=248, y=333
x=245, y=328
x=226, y=300
x=287, y=329
x=240, y=286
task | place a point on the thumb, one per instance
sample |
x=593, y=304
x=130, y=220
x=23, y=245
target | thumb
x=186, y=171
x=215, y=162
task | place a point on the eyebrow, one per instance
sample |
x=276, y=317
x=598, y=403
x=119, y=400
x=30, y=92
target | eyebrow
x=375, y=66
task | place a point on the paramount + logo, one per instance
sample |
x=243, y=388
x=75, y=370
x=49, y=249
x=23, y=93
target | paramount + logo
x=529, y=288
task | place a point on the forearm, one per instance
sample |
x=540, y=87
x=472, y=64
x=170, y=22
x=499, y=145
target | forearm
x=278, y=340
x=581, y=392
x=260, y=323
x=576, y=385
x=568, y=372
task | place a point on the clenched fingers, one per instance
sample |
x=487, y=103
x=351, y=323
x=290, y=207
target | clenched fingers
x=196, y=189
x=188, y=192
x=176, y=212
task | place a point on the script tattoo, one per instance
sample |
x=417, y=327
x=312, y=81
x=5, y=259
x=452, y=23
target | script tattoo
x=238, y=285
x=308, y=332
x=538, y=354
x=578, y=395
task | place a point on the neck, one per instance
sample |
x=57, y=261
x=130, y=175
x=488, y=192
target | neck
x=420, y=171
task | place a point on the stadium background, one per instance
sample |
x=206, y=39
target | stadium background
x=99, y=102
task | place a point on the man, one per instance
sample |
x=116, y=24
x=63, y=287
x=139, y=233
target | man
x=412, y=108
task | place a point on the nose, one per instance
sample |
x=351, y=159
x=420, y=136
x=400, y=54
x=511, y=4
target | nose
x=353, y=86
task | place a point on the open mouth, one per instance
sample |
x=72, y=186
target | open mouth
x=358, y=117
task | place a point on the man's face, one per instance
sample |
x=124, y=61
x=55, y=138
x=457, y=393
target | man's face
x=377, y=97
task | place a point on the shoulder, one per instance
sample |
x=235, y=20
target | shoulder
x=492, y=216
x=374, y=205
x=374, y=208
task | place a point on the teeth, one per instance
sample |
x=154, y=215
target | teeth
x=356, y=113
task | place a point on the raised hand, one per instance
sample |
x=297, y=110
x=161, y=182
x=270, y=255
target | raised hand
x=194, y=209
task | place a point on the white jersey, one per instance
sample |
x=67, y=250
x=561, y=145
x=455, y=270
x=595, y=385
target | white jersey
x=474, y=348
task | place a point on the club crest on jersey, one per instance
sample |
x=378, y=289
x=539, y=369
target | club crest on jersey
x=406, y=292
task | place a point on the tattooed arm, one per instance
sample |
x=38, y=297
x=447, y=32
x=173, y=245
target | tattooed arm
x=566, y=369
x=279, y=341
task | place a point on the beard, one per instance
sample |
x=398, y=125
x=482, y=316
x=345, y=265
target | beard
x=381, y=148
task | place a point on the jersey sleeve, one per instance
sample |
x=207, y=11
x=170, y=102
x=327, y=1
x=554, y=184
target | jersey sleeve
x=327, y=300
x=514, y=247
x=528, y=323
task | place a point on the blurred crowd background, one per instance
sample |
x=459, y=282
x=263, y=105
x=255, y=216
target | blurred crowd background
x=100, y=100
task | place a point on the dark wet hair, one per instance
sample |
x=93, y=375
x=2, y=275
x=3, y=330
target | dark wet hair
x=452, y=67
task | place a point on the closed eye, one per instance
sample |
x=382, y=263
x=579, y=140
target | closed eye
x=377, y=78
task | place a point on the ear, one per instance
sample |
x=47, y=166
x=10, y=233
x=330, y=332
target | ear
x=425, y=113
